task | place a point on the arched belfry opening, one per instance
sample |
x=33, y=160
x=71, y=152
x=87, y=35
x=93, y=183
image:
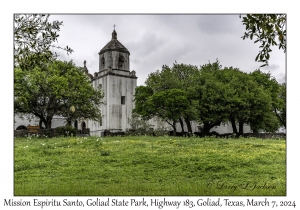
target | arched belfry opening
x=121, y=62
x=103, y=61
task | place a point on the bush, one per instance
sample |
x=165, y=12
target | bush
x=20, y=133
x=48, y=132
x=66, y=131
x=144, y=132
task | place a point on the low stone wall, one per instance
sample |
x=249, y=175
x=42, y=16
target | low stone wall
x=108, y=133
x=248, y=135
x=51, y=132
x=266, y=135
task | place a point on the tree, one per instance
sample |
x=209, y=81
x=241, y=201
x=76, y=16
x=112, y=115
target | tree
x=179, y=76
x=278, y=97
x=266, y=28
x=237, y=95
x=169, y=105
x=280, y=107
x=212, y=99
x=249, y=102
x=230, y=95
x=34, y=36
x=58, y=88
x=142, y=105
x=166, y=104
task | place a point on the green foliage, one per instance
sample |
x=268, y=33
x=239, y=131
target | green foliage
x=249, y=101
x=167, y=104
x=275, y=111
x=266, y=28
x=142, y=107
x=53, y=90
x=168, y=94
x=34, y=36
x=211, y=95
x=280, y=107
x=151, y=166
x=66, y=131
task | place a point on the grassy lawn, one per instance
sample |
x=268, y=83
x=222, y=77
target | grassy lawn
x=149, y=166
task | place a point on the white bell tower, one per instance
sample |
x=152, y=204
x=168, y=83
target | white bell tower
x=118, y=84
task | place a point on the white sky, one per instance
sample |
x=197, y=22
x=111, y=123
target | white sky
x=154, y=40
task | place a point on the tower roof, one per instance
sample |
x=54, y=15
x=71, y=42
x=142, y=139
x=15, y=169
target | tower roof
x=114, y=45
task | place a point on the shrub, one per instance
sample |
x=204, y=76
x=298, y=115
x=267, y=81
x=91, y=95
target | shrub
x=66, y=131
x=49, y=132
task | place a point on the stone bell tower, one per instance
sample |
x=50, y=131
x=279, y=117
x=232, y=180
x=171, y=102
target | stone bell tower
x=118, y=84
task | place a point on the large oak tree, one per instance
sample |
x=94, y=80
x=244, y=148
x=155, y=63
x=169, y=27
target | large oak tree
x=55, y=88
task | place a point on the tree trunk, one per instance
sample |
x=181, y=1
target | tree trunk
x=206, y=128
x=41, y=123
x=241, y=127
x=282, y=121
x=232, y=120
x=174, y=128
x=49, y=122
x=181, y=124
x=188, y=124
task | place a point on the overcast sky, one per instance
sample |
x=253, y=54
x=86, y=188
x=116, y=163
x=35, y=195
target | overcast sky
x=154, y=40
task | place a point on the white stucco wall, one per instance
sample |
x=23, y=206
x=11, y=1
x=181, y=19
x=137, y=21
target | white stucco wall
x=223, y=128
x=56, y=122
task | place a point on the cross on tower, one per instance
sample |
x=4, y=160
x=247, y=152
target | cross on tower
x=114, y=26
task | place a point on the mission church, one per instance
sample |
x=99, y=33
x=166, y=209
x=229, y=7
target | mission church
x=118, y=84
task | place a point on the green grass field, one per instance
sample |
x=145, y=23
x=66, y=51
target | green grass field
x=149, y=166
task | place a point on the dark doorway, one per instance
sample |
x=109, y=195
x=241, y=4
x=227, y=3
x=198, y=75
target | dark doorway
x=76, y=125
x=83, y=126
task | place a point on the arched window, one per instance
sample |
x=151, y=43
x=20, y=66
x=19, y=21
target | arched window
x=21, y=127
x=121, y=62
